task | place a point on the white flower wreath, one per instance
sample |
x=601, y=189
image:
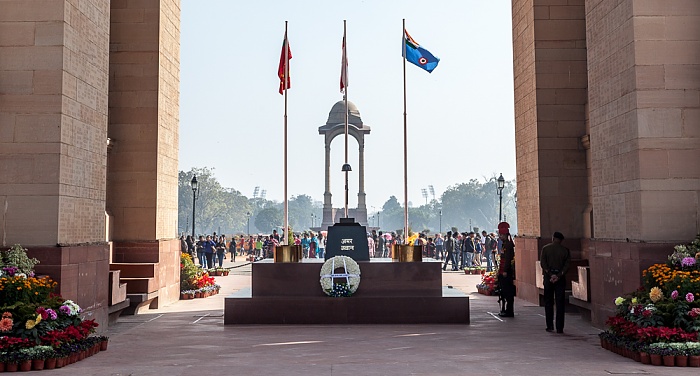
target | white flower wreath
x=351, y=273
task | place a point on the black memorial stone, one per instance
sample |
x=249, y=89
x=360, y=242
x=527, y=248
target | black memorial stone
x=347, y=238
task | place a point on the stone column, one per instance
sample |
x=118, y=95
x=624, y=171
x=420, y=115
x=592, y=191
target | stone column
x=550, y=76
x=645, y=138
x=54, y=69
x=142, y=175
x=327, y=196
x=361, y=205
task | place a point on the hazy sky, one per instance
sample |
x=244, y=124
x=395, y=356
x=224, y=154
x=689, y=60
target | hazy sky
x=460, y=117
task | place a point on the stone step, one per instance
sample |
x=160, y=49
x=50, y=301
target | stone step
x=134, y=270
x=140, y=285
x=117, y=290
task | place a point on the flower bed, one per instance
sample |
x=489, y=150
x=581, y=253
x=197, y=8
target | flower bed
x=488, y=284
x=661, y=320
x=39, y=329
x=195, y=283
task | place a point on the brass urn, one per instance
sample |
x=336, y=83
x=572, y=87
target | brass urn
x=288, y=253
x=407, y=253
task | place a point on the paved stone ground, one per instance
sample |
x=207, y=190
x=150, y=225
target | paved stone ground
x=189, y=338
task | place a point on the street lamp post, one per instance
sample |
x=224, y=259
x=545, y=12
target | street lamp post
x=441, y=221
x=248, y=215
x=501, y=185
x=312, y=219
x=195, y=189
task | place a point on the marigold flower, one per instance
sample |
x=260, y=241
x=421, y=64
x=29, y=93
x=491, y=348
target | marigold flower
x=656, y=294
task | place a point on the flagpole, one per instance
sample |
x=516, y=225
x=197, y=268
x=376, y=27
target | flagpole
x=345, y=98
x=286, y=80
x=405, y=142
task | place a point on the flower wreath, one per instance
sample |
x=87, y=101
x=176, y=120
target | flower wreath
x=351, y=274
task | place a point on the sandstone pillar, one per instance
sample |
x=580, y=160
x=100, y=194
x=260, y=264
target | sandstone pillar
x=54, y=62
x=143, y=127
x=644, y=90
x=549, y=52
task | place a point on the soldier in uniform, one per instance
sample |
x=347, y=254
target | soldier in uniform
x=555, y=261
x=506, y=270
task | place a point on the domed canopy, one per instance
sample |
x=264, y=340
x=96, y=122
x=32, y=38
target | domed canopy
x=337, y=114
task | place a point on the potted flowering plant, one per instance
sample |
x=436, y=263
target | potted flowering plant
x=693, y=351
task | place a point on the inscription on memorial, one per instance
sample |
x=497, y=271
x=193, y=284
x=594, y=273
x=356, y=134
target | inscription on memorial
x=347, y=238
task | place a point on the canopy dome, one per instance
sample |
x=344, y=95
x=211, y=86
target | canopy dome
x=337, y=114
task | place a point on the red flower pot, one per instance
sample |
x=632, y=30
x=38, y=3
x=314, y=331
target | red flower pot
x=38, y=364
x=50, y=363
x=26, y=365
x=61, y=362
x=644, y=358
x=655, y=359
x=2, y=366
x=669, y=360
x=681, y=360
x=103, y=345
x=694, y=361
x=11, y=367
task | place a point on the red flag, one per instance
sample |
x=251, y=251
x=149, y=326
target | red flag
x=344, y=68
x=284, y=65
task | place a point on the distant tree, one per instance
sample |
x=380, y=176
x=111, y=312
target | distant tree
x=218, y=209
x=392, y=215
x=300, y=209
x=268, y=219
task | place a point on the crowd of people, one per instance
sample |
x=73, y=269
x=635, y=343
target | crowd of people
x=211, y=250
x=462, y=250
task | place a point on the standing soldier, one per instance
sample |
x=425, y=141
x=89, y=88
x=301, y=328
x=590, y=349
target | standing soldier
x=506, y=271
x=555, y=263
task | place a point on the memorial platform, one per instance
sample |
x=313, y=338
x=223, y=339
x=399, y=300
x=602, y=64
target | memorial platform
x=389, y=293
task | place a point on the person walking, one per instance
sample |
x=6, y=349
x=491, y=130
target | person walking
x=478, y=248
x=439, y=247
x=209, y=246
x=221, y=250
x=259, y=247
x=431, y=248
x=381, y=250
x=233, y=248
x=321, y=245
x=449, y=249
x=190, y=245
x=555, y=261
x=468, y=249
x=200, y=252
x=506, y=271
x=313, y=246
x=305, y=245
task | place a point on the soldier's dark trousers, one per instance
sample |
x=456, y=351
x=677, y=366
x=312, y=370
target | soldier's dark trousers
x=554, y=293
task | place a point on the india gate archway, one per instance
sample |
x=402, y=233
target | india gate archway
x=335, y=126
x=607, y=124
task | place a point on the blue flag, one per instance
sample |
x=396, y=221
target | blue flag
x=419, y=55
